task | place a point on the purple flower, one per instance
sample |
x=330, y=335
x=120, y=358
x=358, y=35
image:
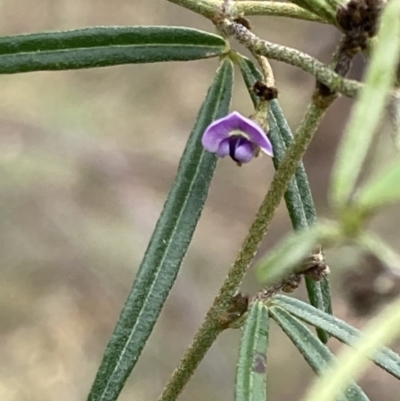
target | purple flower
x=236, y=136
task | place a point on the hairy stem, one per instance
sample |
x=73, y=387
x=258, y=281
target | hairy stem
x=206, y=8
x=277, y=9
x=210, y=8
x=293, y=57
x=211, y=326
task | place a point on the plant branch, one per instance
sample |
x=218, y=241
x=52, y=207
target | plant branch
x=206, y=8
x=212, y=326
x=293, y=57
x=211, y=8
x=276, y=9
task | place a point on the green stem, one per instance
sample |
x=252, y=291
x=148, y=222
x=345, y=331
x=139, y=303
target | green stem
x=211, y=8
x=211, y=327
x=206, y=8
x=276, y=9
x=293, y=57
x=302, y=213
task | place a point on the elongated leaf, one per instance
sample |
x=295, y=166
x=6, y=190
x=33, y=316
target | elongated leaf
x=385, y=358
x=380, y=191
x=289, y=255
x=293, y=199
x=301, y=208
x=319, y=293
x=105, y=46
x=281, y=140
x=250, y=74
x=298, y=197
x=167, y=247
x=317, y=355
x=369, y=108
x=319, y=7
x=353, y=362
x=251, y=379
x=301, y=175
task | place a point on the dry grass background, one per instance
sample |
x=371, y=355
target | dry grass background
x=86, y=161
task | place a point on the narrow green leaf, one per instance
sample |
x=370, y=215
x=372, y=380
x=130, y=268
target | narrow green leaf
x=251, y=379
x=166, y=249
x=353, y=362
x=319, y=296
x=301, y=207
x=250, y=74
x=317, y=355
x=385, y=358
x=301, y=175
x=289, y=255
x=105, y=46
x=298, y=197
x=108, y=36
x=369, y=108
x=318, y=7
x=380, y=191
x=293, y=199
x=319, y=293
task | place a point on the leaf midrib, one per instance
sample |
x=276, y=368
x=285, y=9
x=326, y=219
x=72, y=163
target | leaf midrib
x=158, y=267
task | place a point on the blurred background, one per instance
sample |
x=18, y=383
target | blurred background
x=86, y=162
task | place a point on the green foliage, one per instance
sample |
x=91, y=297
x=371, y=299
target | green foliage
x=100, y=47
x=107, y=46
x=319, y=292
x=289, y=255
x=352, y=362
x=385, y=358
x=369, y=108
x=322, y=8
x=380, y=191
x=251, y=380
x=167, y=247
x=298, y=197
x=317, y=355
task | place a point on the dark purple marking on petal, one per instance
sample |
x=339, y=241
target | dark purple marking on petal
x=241, y=150
x=255, y=133
x=234, y=125
x=260, y=363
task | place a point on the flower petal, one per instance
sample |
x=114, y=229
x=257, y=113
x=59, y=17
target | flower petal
x=223, y=128
x=216, y=132
x=241, y=149
x=223, y=148
x=255, y=133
